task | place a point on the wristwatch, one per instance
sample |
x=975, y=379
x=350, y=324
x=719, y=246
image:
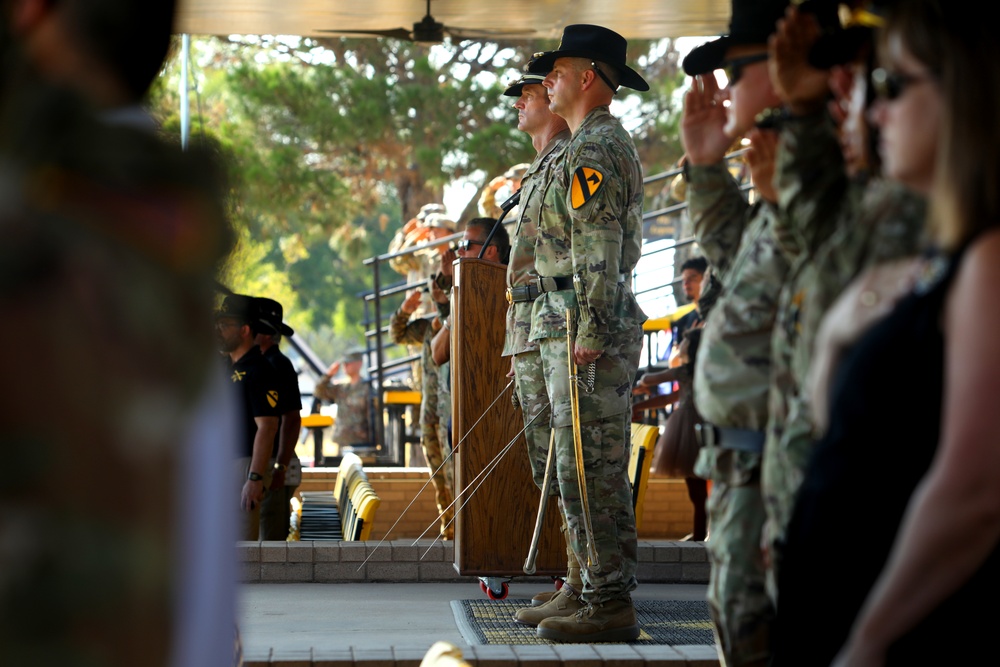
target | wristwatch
x=255, y=477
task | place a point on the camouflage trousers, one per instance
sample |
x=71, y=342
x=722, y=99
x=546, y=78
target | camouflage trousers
x=605, y=416
x=738, y=602
x=783, y=470
x=433, y=439
x=529, y=385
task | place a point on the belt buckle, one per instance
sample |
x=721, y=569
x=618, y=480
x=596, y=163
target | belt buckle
x=707, y=435
x=510, y=298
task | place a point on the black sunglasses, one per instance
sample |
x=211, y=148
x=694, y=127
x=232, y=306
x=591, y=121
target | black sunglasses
x=734, y=67
x=890, y=85
x=465, y=244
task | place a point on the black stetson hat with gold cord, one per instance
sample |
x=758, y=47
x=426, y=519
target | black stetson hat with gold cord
x=596, y=43
x=532, y=74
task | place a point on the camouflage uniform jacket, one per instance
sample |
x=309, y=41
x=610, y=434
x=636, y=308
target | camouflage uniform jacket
x=353, y=425
x=435, y=403
x=590, y=228
x=852, y=224
x=733, y=369
x=521, y=266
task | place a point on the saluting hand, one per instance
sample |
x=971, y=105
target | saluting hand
x=802, y=87
x=703, y=122
x=412, y=302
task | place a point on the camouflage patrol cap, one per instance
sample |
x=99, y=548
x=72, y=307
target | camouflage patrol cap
x=428, y=209
x=354, y=354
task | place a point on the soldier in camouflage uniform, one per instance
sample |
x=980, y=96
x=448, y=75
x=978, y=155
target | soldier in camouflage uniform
x=749, y=254
x=588, y=242
x=549, y=133
x=353, y=427
x=847, y=218
x=420, y=332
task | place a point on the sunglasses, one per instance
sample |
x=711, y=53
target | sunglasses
x=890, y=85
x=734, y=67
x=466, y=244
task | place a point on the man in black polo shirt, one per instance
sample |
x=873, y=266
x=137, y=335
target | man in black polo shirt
x=286, y=474
x=236, y=324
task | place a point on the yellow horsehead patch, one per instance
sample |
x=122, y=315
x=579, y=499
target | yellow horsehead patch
x=586, y=183
x=272, y=398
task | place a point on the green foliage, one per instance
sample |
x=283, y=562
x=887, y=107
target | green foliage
x=333, y=144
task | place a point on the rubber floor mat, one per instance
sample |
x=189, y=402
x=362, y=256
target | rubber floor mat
x=664, y=622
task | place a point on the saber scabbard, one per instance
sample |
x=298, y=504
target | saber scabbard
x=594, y=562
x=550, y=467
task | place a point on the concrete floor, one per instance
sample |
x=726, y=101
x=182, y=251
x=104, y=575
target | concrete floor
x=376, y=616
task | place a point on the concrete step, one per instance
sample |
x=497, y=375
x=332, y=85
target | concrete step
x=660, y=561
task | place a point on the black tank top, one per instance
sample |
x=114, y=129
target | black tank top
x=885, y=424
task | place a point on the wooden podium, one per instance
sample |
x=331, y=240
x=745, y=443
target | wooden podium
x=493, y=531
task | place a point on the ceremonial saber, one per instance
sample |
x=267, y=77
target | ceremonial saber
x=594, y=562
x=550, y=467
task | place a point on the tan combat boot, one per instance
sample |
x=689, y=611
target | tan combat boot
x=611, y=621
x=565, y=603
x=572, y=570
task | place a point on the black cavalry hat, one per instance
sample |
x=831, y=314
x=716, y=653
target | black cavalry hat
x=239, y=306
x=531, y=73
x=597, y=43
x=751, y=22
x=270, y=314
x=841, y=45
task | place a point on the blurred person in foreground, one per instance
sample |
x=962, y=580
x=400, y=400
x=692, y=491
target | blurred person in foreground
x=905, y=381
x=848, y=216
x=110, y=241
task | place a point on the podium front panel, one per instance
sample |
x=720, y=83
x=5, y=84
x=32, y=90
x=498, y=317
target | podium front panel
x=492, y=475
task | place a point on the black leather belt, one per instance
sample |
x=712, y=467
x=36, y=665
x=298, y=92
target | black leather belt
x=543, y=284
x=742, y=439
x=537, y=287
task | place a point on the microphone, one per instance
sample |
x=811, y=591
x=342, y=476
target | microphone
x=508, y=204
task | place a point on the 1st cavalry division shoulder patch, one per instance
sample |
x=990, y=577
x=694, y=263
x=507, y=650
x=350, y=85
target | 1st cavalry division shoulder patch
x=586, y=183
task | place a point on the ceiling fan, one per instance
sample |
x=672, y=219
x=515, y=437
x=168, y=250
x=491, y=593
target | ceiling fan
x=429, y=31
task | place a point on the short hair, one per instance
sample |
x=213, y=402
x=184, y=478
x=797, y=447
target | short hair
x=698, y=263
x=610, y=71
x=132, y=38
x=500, y=238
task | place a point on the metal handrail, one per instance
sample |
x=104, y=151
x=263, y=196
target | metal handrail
x=378, y=293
